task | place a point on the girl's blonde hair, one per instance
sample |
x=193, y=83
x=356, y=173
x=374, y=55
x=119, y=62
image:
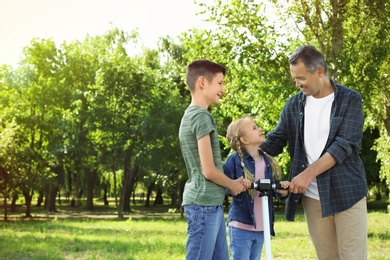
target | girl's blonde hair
x=233, y=134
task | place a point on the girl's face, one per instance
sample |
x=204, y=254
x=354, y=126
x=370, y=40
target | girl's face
x=252, y=134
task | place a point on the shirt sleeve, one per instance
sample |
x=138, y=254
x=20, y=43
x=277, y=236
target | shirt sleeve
x=277, y=139
x=347, y=128
x=203, y=124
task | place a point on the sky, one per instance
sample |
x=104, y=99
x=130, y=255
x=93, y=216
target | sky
x=23, y=20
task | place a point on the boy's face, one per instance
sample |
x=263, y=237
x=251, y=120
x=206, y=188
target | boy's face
x=214, y=89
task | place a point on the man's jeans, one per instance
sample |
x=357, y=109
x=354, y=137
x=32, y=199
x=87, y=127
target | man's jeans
x=206, y=233
x=245, y=244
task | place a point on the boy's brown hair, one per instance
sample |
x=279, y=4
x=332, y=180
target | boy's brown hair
x=202, y=67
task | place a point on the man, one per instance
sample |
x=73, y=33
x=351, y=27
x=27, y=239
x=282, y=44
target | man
x=323, y=128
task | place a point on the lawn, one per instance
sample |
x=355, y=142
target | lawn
x=150, y=234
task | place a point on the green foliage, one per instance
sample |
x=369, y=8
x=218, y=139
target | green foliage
x=352, y=35
x=247, y=43
x=368, y=156
x=87, y=106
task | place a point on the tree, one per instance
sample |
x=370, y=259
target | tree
x=250, y=46
x=353, y=35
x=28, y=119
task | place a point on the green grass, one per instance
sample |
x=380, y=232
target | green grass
x=93, y=239
x=146, y=234
x=292, y=240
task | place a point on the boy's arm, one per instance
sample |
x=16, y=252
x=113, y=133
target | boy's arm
x=212, y=173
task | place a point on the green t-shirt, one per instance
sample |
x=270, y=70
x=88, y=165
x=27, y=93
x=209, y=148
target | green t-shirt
x=196, y=123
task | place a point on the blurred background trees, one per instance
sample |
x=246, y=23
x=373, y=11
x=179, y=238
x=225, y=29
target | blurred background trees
x=88, y=120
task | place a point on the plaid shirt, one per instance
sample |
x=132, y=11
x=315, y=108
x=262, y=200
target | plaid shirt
x=345, y=183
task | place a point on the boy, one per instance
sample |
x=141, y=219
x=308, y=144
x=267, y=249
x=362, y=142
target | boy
x=204, y=191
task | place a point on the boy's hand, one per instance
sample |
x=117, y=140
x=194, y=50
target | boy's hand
x=237, y=186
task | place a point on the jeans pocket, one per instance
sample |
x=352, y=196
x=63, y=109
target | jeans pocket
x=192, y=216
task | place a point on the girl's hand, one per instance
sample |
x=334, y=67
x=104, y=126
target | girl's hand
x=285, y=185
x=247, y=183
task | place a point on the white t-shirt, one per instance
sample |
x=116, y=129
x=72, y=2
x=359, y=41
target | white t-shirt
x=316, y=133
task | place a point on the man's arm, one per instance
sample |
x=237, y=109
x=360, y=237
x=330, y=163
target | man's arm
x=212, y=173
x=300, y=182
x=346, y=133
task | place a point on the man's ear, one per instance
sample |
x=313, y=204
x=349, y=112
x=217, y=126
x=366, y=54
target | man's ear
x=320, y=71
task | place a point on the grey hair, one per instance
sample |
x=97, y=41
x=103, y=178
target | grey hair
x=310, y=57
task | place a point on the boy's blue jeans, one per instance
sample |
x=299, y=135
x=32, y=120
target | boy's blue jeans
x=206, y=233
x=245, y=244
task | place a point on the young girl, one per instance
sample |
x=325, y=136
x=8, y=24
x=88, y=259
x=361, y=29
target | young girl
x=245, y=218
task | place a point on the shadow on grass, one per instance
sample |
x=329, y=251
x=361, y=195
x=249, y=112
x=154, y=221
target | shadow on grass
x=137, y=211
x=385, y=235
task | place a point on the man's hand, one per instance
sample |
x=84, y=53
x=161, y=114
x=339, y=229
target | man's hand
x=300, y=183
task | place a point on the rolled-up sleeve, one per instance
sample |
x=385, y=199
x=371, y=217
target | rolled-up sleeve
x=347, y=128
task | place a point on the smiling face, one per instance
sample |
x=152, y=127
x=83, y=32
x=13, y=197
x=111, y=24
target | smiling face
x=310, y=84
x=214, y=88
x=251, y=134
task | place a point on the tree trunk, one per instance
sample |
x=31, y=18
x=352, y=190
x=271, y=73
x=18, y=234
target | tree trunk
x=176, y=194
x=40, y=198
x=73, y=202
x=118, y=204
x=126, y=190
x=105, y=199
x=79, y=197
x=5, y=208
x=51, y=198
x=91, y=176
x=59, y=196
x=148, y=194
x=28, y=199
x=126, y=177
x=77, y=180
x=129, y=185
x=69, y=185
x=159, y=199
x=15, y=197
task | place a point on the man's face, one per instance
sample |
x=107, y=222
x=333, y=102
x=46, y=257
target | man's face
x=309, y=83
